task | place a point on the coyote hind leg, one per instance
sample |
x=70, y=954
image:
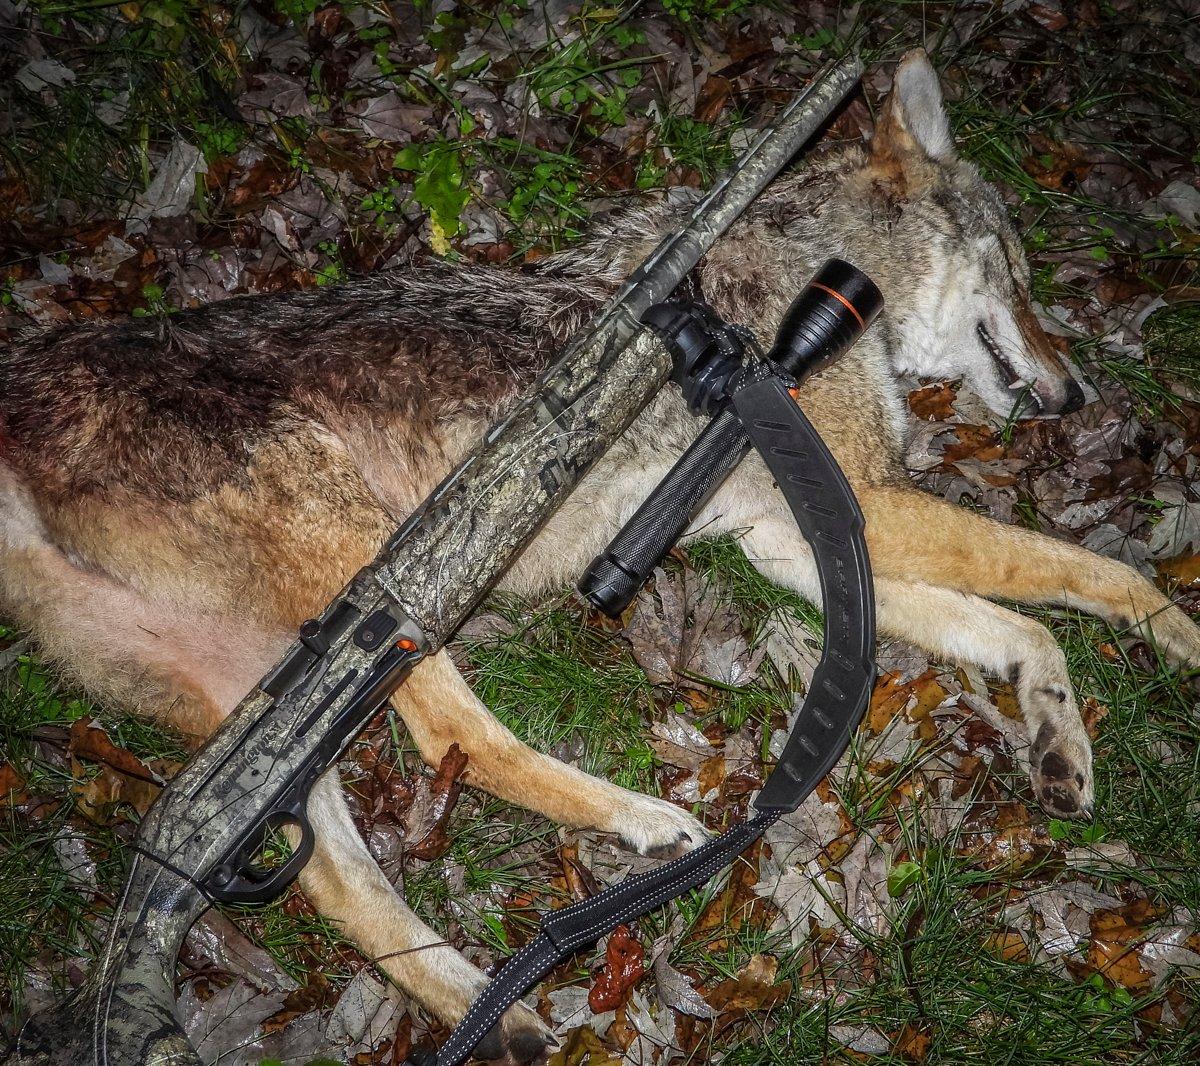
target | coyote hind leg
x=440, y=709
x=192, y=670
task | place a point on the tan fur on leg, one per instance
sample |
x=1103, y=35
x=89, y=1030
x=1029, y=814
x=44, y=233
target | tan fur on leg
x=346, y=884
x=917, y=536
x=439, y=709
x=965, y=628
x=190, y=670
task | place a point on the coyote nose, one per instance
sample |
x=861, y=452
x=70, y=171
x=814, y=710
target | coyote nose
x=1073, y=397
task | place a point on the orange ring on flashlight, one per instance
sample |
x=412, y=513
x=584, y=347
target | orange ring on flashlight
x=838, y=296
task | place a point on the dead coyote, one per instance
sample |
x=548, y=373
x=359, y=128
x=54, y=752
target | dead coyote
x=179, y=494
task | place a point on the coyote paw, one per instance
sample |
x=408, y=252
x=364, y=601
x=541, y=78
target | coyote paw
x=517, y=1039
x=652, y=826
x=1061, y=773
x=1177, y=636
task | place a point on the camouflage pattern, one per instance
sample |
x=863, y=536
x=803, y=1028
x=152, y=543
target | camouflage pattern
x=257, y=769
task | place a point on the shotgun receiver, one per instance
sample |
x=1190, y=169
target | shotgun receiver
x=198, y=843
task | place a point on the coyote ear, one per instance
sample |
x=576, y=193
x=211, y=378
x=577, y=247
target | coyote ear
x=913, y=122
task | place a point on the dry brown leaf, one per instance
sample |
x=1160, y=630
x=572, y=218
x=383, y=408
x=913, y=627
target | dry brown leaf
x=912, y=1043
x=1005, y=699
x=892, y=696
x=1093, y=712
x=1054, y=165
x=754, y=988
x=88, y=741
x=123, y=777
x=933, y=403
x=12, y=786
x=887, y=700
x=712, y=773
x=736, y=904
x=440, y=798
x=1007, y=945
x=1180, y=573
x=981, y=443
x=1116, y=937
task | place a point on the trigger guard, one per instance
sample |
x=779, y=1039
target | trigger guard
x=244, y=882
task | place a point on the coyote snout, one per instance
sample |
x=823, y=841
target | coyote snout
x=1029, y=370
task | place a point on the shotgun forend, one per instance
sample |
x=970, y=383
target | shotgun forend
x=198, y=842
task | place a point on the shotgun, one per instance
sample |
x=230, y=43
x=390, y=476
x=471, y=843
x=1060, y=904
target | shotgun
x=200, y=841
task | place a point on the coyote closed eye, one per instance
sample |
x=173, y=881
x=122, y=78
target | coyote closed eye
x=160, y=481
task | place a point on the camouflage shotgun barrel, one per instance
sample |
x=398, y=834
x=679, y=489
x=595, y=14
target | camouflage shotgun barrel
x=199, y=842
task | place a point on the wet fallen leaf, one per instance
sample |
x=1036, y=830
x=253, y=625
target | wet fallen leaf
x=1093, y=712
x=686, y=632
x=1007, y=945
x=676, y=990
x=913, y=1043
x=581, y=1047
x=676, y=741
x=580, y=881
x=216, y=941
x=973, y=442
x=1007, y=840
x=893, y=696
x=712, y=774
x=89, y=741
x=1049, y=15
x=1054, y=165
x=1114, y=949
x=934, y=403
x=734, y=906
x=12, y=786
x=314, y=994
x=1182, y=572
x=430, y=812
x=624, y=964
x=123, y=778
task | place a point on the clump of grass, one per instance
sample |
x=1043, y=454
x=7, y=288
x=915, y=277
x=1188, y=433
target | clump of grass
x=1147, y=756
x=558, y=683
x=1172, y=345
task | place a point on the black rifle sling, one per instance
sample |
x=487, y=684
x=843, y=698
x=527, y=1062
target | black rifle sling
x=829, y=517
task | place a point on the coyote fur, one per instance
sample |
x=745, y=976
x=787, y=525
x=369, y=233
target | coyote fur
x=177, y=495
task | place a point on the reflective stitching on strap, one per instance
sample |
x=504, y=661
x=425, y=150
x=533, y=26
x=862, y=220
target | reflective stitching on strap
x=544, y=951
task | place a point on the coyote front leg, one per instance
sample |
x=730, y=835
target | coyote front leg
x=439, y=709
x=966, y=629
x=346, y=885
x=920, y=537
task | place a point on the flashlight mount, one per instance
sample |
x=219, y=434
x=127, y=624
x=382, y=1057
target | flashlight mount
x=709, y=358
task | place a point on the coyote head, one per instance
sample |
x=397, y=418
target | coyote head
x=955, y=257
